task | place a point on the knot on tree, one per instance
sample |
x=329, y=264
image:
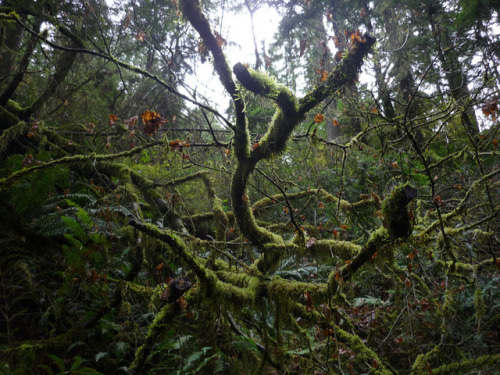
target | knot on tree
x=395, y=211
x=176, y=289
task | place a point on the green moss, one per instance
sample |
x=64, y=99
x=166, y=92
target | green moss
x=14, y=107
x=363, y=354
x=395, y=211
x=257, y=82
x=235, y=295
x=220, y=220
x=421, y=362
x=279, y=287
x=457, y=269
x=465, y=366
x=342, y=249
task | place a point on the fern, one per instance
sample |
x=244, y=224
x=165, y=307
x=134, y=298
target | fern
x=30, y=192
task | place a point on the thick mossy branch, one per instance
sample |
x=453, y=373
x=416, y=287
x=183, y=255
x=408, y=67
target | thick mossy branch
x=90, y=158
x=13, y=131
x=220, y=218
x=285, y=118
x=421, y=363
x=32, y=349
x=243, y=212
x=363, y=354
x=156, y=328
x=396, y=225
x=344, y=73
x=179, y=248
x=8, y=120
x=257, y=82
x=192, y=11
x=281, y=127
x=345, y=206
x=184, y=179
x=465, y=366
x=378, y=239
x=461, y=205
x=334, y=248
x=211, y=284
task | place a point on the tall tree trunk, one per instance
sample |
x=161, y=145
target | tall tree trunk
x=454, y=73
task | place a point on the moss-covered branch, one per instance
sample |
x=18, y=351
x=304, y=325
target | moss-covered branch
x=90, y=158
x=344, y=73
x=461, y=205
x=465, y=366
x=156, y=328
x=321, y=194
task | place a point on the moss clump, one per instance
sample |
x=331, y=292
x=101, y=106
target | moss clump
x=257, y=82
x=395, y=211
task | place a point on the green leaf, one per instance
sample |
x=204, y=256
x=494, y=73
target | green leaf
x=181, y=341
x=100, y=356
x=58, y=361
x=77, y=363
x=195, y=357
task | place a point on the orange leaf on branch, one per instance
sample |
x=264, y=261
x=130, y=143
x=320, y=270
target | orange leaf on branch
x=152, y=122
x=319, y=118
x=407, y=282
x=303, y=45
x=112, y=119
x=140, y=36
x=182, y=303
x=309, y=302
x=175, y=145
x=220, y=40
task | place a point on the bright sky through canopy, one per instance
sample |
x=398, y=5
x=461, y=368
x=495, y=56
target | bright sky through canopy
x=237, y=30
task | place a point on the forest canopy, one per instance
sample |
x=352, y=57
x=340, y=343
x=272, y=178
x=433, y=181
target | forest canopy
x=330, y=206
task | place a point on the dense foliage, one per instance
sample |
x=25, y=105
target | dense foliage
x=338, y=215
